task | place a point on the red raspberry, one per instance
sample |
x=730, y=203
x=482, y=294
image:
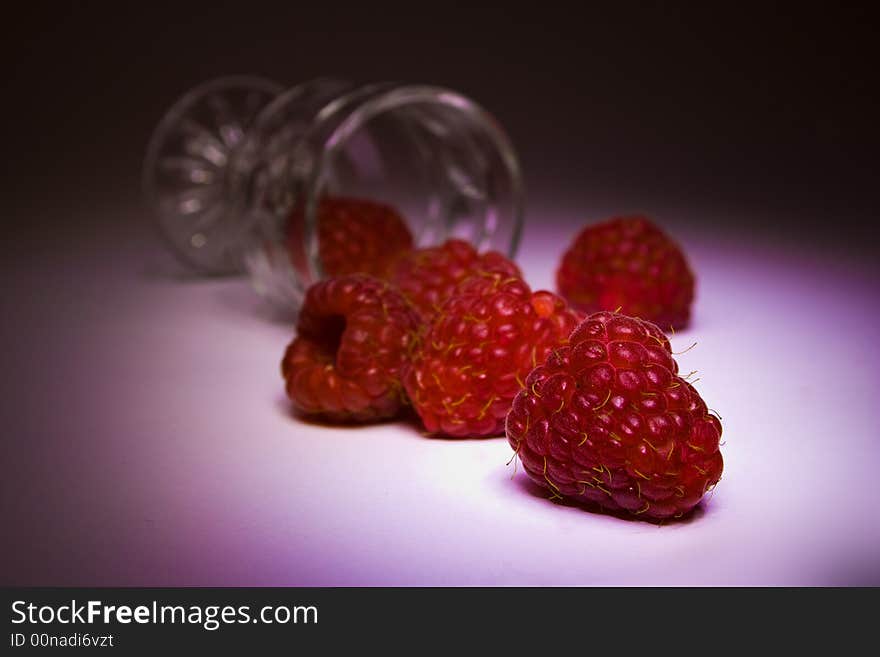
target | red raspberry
x=473, y=358
x=353, y=336
x=628, y=264
x=427, y=277
x=606, y=420
x=354, y=236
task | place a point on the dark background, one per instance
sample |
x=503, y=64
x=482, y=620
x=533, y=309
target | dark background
x=765, y=112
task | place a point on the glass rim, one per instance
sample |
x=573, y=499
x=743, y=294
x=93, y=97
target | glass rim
x=373, y=100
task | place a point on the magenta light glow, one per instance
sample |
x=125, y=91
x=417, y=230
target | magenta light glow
x=160, y=451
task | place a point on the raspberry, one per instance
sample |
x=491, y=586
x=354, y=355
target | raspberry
x=476, y=352
x=427, y=277
x=606, y=420
x=628, y=264
x=353, y=336
x=354, y=236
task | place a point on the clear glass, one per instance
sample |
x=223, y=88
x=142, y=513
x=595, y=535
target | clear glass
x=185, y=175
x=437, y=157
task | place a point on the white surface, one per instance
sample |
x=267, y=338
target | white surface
x=154, y=446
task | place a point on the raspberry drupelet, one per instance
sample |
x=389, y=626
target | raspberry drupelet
x=628, y=264
x=354, y=236
x=354, y=335
x=427, y=277
x=606, y=420
x=477, y=351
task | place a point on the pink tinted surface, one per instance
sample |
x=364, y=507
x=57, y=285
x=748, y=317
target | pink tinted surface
x=151, y=444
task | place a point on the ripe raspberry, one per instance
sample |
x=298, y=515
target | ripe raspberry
x=353, y=336
x=473, y=358
x=354, y=236
x=606, y=420
x=628, y=264
x=427, y=277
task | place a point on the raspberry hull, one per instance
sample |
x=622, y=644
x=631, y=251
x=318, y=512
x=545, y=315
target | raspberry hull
x=607, y=421
x=628, y=264
x=353, y=337
x=476, y=353
x=428, y=277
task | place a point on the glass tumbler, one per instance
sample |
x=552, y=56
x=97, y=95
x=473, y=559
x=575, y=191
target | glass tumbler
x=236, y=158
